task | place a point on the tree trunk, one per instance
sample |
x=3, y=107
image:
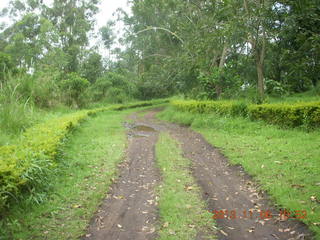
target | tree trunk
x=260, y=73
x=221, y=65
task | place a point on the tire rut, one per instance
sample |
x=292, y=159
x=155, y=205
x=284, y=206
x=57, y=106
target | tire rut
x=129, y=211
x=228, y=187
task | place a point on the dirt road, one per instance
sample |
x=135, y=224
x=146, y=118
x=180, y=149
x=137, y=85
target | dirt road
x=130, y=211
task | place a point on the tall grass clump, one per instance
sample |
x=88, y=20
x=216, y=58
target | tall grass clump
x=16, y=113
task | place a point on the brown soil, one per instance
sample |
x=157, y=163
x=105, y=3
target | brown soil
x=130, y=210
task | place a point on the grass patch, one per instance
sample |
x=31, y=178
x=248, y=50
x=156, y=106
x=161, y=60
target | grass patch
x=88, y=164
x=285, y=162
x=182, y=212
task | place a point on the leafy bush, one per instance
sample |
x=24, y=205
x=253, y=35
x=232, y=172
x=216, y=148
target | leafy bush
x=6, y=66
x=285, y=114
x=219, y=83
x=114, y=88
x=25, y=166
x=275, y=88
x=74, y=87
x=288, y=115
x=219, y=107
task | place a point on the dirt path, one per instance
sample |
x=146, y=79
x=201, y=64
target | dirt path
x=130, y=212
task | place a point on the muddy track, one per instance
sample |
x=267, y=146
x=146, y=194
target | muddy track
x=130, y=212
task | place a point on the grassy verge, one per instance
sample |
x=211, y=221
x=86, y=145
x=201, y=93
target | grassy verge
x=182, y=212
x=285, y=162
x=85, y=171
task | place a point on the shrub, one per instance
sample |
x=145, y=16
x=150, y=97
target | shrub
x=288, y=115
x=6, y=66
x=74, y=87
x=218, y=107
x=285, y=114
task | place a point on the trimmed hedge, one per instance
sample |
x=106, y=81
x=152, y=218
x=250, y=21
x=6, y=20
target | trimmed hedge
x=24, y=167
x=284, y=114
x=232, y=108
x=288, y=115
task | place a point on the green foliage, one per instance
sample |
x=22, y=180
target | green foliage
x=16, y=111
x=275, y=88
x=74, y=87
x=282, y=114
x=232, y=108
x=114, y=88
x=92, y=68
x=6, y=66
x=288, y=115
x=219, y=83
x=26, y=165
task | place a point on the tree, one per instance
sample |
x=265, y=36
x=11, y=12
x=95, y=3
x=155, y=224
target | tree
x=92, y=67
x=73, y=20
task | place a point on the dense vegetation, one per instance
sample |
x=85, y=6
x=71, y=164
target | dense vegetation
x=223, y=49
x=201, y=49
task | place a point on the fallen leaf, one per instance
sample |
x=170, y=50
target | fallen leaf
x=189, y=188
x=275, y=236
x=88, y=235
x=313, y=198
x=171, y=232
x=76, y=206
x=223, y=232
x=166, y=224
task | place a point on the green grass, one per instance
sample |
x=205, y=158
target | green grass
x=85, y=172
x=15, y=118
x=182, y=212
x=309, y=96
x=285, y=162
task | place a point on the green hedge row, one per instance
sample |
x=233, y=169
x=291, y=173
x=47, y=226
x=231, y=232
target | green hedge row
x=283, y=114
x=24, y=167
